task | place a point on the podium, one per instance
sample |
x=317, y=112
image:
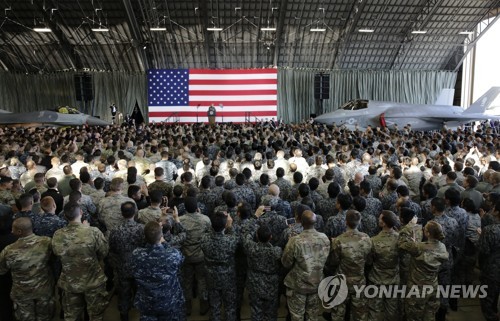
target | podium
x=211, y=113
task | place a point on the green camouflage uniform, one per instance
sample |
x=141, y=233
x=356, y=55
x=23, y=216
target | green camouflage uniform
x=305, y=255
x=349, y=254
x=110, y=213
x=81, y=249
x=426, y=261
x=32, y=282
x=7, y=198
x=149, y=214
x=385, y=270
x=406, y=234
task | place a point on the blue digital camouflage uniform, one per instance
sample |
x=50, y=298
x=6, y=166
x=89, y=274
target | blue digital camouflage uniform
x=369, y=223
x=326, y=208
x=81, y=249
x=489, y=263
x=48, y=224
x=32, y=281
x=159, y=294
x=275, y=222
x=123, y=240
x=263, y=278
x=451, y=241
x=336, y=225
x=219, y=251
x=373, y=206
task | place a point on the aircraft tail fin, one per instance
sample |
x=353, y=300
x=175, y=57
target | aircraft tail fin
x=480, y=105
x=445, y=98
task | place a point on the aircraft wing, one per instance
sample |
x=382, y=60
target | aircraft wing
x=438, y=115
x=49, y=118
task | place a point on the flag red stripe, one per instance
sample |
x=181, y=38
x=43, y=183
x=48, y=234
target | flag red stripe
x=232, y=92
x=235, y=103
x=233, y=82
x=232, y=71
x=219, y=114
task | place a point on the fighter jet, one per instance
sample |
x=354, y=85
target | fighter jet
x=48, y=118
x=361, y=113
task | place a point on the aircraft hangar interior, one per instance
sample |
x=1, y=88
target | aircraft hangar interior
x=101, y=82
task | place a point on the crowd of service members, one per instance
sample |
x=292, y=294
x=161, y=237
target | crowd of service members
x=161, y=214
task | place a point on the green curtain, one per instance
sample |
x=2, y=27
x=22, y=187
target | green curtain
x=23, y=93
x=296, y=89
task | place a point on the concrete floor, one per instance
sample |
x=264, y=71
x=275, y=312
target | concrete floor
x=469, y=309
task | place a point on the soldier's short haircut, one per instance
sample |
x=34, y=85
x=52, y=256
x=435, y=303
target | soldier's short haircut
x=219, y=180
x=39, y=177
x=304, y=190
x=365, y=186
x=229, y=198
x=25, y=200
x=75, y=184
x=469, y=205
x=190, y=204
x=264, y=233
x=187, y=177
x=247, y=172
x=47, y=202
x=333, y=190
x=430, y=189
x=233, y=172
x=98, y=183
x=453, y=196
x=270, y=163
x=468, y=171
x=240, y=179
x=451, y=175
x=352, y=219
x=372, y=170
x=178, y=190
x=353, y=189
x=191, y=192
x=35, y=193
x=403, y=190
x=244, y=210
x=264, y=179
x=129, y=209
x=67, y=170
x=390, y=219
x=313, y=183
x=472, y=181
x=406, y=214
x=344, y=200
x=435, y=230
x=280, y=172
x=205, y=182
x=439, y=204
x=51, y=182
x=219, y=221
x=156, y=196
x=397, y=172
x=85, y=177
x=74, y=196
x=71, y=211
x=359, y=203
x=116, y=184
x=152, y=232
x=392, y=184
x=132, y=189
x=297, y=177
x=159, y=171
x=329, y=174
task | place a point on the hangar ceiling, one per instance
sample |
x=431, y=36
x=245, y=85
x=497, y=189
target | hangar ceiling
x=251, y=34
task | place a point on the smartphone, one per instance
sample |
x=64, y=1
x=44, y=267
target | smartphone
x=267, y=208
x=290, y=221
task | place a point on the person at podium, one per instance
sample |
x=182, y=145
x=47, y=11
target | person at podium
x=211, y=113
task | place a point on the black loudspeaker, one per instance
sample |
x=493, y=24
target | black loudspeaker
x=312, y=115
x=321, y=86
x=84, y=88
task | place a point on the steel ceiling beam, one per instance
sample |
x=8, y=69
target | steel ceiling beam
x=279, y=31
x=137, y=34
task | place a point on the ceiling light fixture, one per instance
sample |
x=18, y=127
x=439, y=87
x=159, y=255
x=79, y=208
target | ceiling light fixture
x=158, y=29
x=466, y=32
x=317, y=29
x=42, y=29
x=100, y=29
x=366, y=30
x=214, y=29
x=419, y=32
x=268, y=29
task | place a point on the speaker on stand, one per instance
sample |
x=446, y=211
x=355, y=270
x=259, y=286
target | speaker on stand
x=84, y=90
x=321, y=90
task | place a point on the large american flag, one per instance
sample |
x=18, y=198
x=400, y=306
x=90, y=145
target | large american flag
x=237, y=94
